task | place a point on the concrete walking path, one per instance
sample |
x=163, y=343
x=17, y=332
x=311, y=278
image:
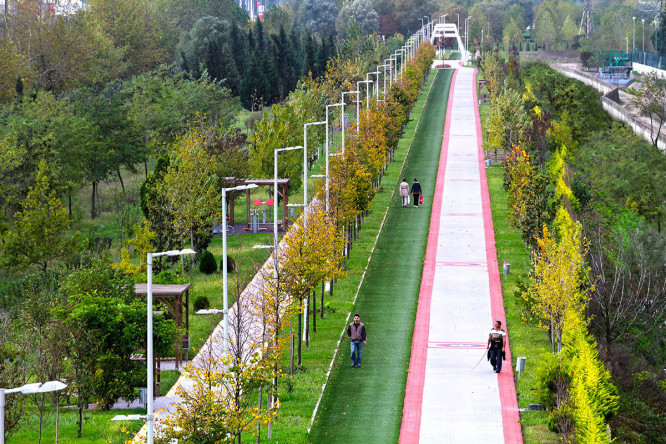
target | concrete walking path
x=448, y=399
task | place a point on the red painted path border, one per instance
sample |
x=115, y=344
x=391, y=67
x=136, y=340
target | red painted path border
x=507, y=387
x=411, y=410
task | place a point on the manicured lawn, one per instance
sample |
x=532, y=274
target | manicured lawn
x=97, y=428
x=368, y=401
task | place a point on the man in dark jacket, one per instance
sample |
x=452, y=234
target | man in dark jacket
x=416, y=192
x=496, y=346
x=356, y=332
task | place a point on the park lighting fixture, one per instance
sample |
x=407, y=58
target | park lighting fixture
x=27, y=389
x=150, y=418
x=225, y=296
x=275, y=188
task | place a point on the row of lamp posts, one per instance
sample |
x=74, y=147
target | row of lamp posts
x=406, y=53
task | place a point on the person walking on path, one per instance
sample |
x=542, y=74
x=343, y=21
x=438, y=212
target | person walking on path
x=356, y=332
x=496, y=345
x=416, y=192
x=404, y=192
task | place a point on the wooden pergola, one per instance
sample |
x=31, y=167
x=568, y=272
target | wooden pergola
x=283, y=193
x=176, y=299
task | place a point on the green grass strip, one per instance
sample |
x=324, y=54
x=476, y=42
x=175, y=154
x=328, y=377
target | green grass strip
x=526, y=340
x=371, y=398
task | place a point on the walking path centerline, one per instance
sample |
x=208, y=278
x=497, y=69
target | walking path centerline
x=449, y=398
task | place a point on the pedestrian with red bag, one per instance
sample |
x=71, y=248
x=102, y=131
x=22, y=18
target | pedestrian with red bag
x=417, y=193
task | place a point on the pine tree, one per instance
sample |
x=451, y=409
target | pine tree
x=228, y=70
x=322, y=58
x=311, y=56
x=239, y=49
x=298, y=61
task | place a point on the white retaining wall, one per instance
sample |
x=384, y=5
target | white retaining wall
x=615, y=110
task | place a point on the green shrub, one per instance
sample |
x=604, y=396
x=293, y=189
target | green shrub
x=167, y=277
x=207, y=263
x=201, y=303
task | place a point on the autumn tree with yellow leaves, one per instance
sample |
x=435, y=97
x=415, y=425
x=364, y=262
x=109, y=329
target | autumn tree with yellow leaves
x=558, y=280
x=311, y=255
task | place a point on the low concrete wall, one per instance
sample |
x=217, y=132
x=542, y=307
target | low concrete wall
x=644, y=69
x=600, y=85
x=615, y=110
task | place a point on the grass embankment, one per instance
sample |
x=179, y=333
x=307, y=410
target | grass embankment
x=298, y=405
x=370, y=398
x=526, y=340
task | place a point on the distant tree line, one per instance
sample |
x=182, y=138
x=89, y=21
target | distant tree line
x=260, y=67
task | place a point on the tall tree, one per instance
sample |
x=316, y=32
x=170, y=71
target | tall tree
x=132, y=26
x=39, y=236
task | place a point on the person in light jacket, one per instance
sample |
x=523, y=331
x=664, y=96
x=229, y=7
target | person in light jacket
x=356, y=332
x=404, y=193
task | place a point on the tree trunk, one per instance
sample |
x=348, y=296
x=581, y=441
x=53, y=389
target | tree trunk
x=269, y=406
x=145, y=166
x=120, y=178
x=92, y=200
x=79, y=423
x=57, y=424
x=314, y=311
x=259, y=422
x=307, y=321
x=69, y=203
x=321, y=308
x=300, y=340
x=291, y=350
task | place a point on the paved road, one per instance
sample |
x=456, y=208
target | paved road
x=448, y=399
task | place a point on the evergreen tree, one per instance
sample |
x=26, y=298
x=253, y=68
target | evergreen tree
x=282, y=61
x=239, y=49
x=260, y=45
x=311, y=56
x=221, y=65
x=250, y=89
x=322, y=58
x=270, y=78
x=297, y=54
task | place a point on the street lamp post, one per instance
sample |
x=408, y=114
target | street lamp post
x=305, y=159
x=150, y=418
x=327, y=153
x=367, y=91
x=444, y=17
x=402, y=59
x=275, y=187
x=358, y=97
x=389, y=64
x=458, y=21
x=643, y=22
x=27, y=389
x=428, y=26
x=384, y=66
x=466, y=33
x=655, y=34
x=633, y=42
x=375, y=86
x=225, y=298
